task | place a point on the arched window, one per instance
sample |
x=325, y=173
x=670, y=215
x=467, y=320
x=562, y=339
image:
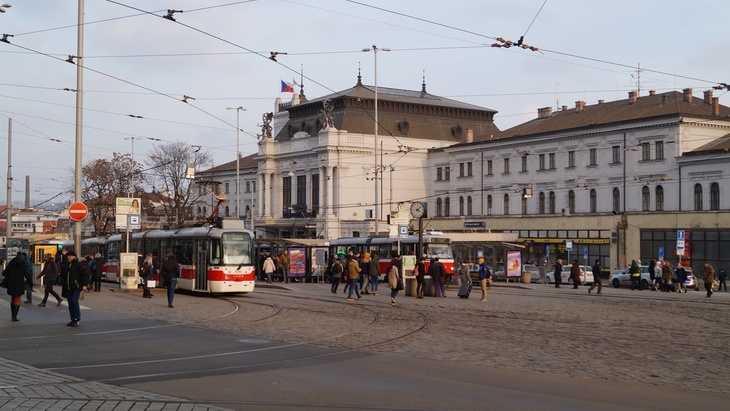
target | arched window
x=645, y=198
x=469, y=209
x=714, y=196
x=571, y=201
x=541, y=203
x=524, y=205
x=447, y=207
x=659, y=194
x=616, y=200
x=506, y=204
x=594, y=201
x=200, y=210
x=461, y=205
x=552, y=202
x=698, y=197
x=228, y=212
x=439, y=207
x=489, y=204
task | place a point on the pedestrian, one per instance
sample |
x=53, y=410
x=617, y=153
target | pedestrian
x=575, y=273
x=438, y=276
x=708, y=278
x=681, y=278
x=170, y=272
x=374, y=273
x=364, y=273
x=484, y=275
x=49, y=274
x=14, y=279
x=353, y=276
x=336, y=270
x=146, y=273
x=420, y=273
x=269, y=267
x=652, y=272
x=667, y=274
x=722, y=280
x=464, y=274
x=393, y=279
x=597, y=281
x=62, y=262
x=29, y=277
x=285, y=264
x=558, y=273
x=656, y=276
x=635, y=273
x=73, y=284
x=97, y=270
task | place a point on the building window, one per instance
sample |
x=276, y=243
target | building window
x=469, y=169
x=616, y=157
x=439, y=173
x=462, y=170
x=571, y=158
x=616, y=200
x=461, y=205
x=541, y=162
x=506, y=204
x=489, y=204
x=541, y=203
x=552, y=202
x=227, y=188
x=524, y=163
x=506, y=165
x=439, y=207
x=571, y=201
x=593, y=156
x=552, y=161
x=302, y=190
x=524, y=205
x=315, y=194
x=645, y=198
x=248, y=186
x=489, y=167
x=447, y=207
x=253, y=186
x=659, y=149
x=645, y=151
x=469, y=209
x=447, y=173
x=228, y=211
x=594, y=201
x=659, y=198
x=286, y=194
x=714, y=196
x=698, y=197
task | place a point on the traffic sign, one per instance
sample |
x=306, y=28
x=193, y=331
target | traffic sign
x=568, y=245
x=585, y=252
x=680, y=234
x=78, y=211
x=661, y=253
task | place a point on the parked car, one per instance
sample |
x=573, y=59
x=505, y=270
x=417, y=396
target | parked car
x=586, y=275
x=534, y=272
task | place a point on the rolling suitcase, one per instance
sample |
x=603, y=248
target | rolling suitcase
x=465, y=290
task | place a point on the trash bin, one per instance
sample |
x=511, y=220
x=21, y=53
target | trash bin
x=428, y=289
x=411, y=287
x=526, y=277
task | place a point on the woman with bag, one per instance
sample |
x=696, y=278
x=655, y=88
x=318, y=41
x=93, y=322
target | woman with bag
x=49, y=274
x=393, y=279
x=14, y=280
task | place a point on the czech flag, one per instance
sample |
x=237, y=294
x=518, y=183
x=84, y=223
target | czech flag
x=286, y=87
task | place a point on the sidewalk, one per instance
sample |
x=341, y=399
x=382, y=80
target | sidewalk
x=28, y=388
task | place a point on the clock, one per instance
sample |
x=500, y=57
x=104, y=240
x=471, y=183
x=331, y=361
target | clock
x=418, y=209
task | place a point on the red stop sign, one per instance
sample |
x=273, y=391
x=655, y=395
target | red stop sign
x=78, y=211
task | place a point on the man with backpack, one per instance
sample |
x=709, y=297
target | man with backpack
x=336, y=270
x=170, y=272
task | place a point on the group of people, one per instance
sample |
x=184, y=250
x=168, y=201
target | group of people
x=169, y=274
x=361, y=274
x=269, y=266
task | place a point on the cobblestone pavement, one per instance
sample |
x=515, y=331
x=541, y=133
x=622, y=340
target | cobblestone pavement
x=654, y=338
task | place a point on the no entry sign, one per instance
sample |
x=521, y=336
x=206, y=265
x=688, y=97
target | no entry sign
x=78, y=211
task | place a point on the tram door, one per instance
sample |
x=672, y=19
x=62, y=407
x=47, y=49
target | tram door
x=201, y=265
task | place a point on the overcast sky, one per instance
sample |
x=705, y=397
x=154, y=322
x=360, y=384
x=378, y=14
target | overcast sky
x=139, y=64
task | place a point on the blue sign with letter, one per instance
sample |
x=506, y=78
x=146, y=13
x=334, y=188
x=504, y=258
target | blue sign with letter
x=661, y=253
x=680, y=234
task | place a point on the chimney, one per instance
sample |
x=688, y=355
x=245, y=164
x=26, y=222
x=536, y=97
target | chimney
x=687, y=95
x=632, y=97
x=601, y=101
x=27, y=192
x=708, y=97
x=565, y=108
x=652, y=92
x=544, y=112
x=579, y=106
x=715, y=106
x=469, y=136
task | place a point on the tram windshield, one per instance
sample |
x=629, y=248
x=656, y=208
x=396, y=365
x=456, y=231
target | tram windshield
x=237, y=248
x=442, y=251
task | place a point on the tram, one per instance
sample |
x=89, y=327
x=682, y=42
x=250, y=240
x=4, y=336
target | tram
x=434, y=245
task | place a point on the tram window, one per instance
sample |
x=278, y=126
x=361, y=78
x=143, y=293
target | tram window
x=440, y=251
x=184, y=252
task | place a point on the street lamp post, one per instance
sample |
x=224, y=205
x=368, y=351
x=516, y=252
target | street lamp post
x=375, y=49
x=9, y=207
x=238, y=161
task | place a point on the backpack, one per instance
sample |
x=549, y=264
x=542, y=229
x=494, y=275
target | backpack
x=337, y=267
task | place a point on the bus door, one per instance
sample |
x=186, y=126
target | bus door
x=201, y=265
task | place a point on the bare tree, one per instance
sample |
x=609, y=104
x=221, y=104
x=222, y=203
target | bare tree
x=168, y=165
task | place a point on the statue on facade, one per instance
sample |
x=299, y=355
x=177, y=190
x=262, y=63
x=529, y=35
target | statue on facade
x=326, y=114
x=266, y=127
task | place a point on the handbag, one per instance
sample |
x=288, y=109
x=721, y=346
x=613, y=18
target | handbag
x=399, y=286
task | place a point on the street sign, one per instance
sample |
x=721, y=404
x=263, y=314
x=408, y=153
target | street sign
x=135, y=221
x=680, y=247
x=78, y=211
x=403, y=229
x=680, y=234
x=661, y=253
x=568, y=245
x=547, y=250
x=585, y=252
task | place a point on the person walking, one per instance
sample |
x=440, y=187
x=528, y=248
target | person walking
x=336, y=270
x=419, y=271
x=49, y=274
x=438, y=276
x=708, y=278
x=29, y=279
x=147, y=271
x=464, y=274
x=170, y=272
x=575, y=273
x=269, y=267
x=285, y=264
x=374, y=273
x=353, y=277
x=73, y=284
x=667, y=274
x=656, y=276
x=558, y=273
x=484, y=275
x=393, y=279
x=635, y=273
x=681, y=278
x=721, y=280
x=15, y=279
x=597, y=281
x=62, y=263
x=364, y=273
x=97, y=270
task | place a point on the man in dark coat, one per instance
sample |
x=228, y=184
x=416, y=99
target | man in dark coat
x=74, y=282
x=558, y=273
x=15, y=280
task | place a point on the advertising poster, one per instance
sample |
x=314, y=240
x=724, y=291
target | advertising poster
x=514, y=263
x=127, y=205
x=298, y=262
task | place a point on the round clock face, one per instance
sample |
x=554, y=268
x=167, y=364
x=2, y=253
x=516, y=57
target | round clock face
x=417, y=210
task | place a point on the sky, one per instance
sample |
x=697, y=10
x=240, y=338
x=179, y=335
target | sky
x=138, y=66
